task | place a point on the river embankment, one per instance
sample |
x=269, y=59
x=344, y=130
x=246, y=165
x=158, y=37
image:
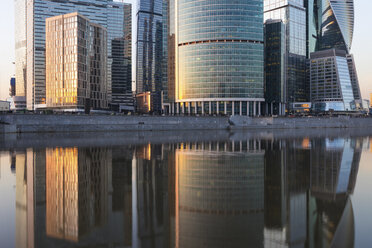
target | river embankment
x=33, y=123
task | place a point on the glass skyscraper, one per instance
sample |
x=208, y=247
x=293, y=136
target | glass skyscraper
x=330, y=24
x=275, y=67
x=218, y=57
x=31, y=31
x=122, y=97
x=149, y=51
x=331, y=87
x=293, y=14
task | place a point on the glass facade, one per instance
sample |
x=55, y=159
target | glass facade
x=106, y=13
x=331, y=87
x=121, y=48
x=219, y=51
x=330, y=24
x=76, y=63
x=149, y=50
x=337, y=27
x=354, y=77
x=293, y=15
x=275, y=59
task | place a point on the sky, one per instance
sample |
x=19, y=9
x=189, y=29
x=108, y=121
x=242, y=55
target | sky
x=361, y=47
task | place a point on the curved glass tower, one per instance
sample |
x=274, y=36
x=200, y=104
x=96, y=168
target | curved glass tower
x=219, y=56
x=337, y=24
x=331, y=24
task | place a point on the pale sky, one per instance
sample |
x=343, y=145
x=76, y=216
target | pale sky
x=361, y=47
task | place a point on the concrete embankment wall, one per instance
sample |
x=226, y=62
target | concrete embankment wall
x=107, y=123
x=241, y=122
x=102, y=123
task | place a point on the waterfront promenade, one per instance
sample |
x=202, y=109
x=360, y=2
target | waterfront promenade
x=25, y=123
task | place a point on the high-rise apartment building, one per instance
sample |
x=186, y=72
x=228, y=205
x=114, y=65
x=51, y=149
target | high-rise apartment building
x=330, y=83
x=293, y=14
x=30, y=39
x=76, y=63
x=215, y=56
x=149, y=52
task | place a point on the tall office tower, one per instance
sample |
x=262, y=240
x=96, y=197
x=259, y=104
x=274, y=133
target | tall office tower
x=30, y=39
x=330, y=83
x=76, y=63
x=122, y=97
x=218, y=57
x=275, y=70
x=293, y=15
x=149, y=54
x=331, y=25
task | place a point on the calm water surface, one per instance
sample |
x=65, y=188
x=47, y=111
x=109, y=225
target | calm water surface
x=196, y=189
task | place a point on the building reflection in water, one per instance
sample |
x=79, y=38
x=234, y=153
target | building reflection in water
x=219, y=195
x=76, y=191
x=251, y=193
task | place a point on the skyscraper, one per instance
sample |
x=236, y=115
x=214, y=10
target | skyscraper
x=275, y=69
x=30, y=39
x=330, y=83
x=149, y=52
x=76, y=63
x=293, y=15
x=330, y=25
x=122, y=97
x=218, y=63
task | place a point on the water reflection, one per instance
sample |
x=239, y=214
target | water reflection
x=241, y=193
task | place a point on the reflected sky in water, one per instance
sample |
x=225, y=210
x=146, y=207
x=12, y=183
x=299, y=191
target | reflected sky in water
x=229, y=190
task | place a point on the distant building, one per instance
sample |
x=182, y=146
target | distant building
x=12, y=89
x=75, y=68
x=4, y=106
x=330, y=83
x=361, y=105
x=17, y=103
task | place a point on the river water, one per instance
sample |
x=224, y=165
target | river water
x=300, y=188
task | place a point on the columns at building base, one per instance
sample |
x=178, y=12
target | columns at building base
x=246, y=108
